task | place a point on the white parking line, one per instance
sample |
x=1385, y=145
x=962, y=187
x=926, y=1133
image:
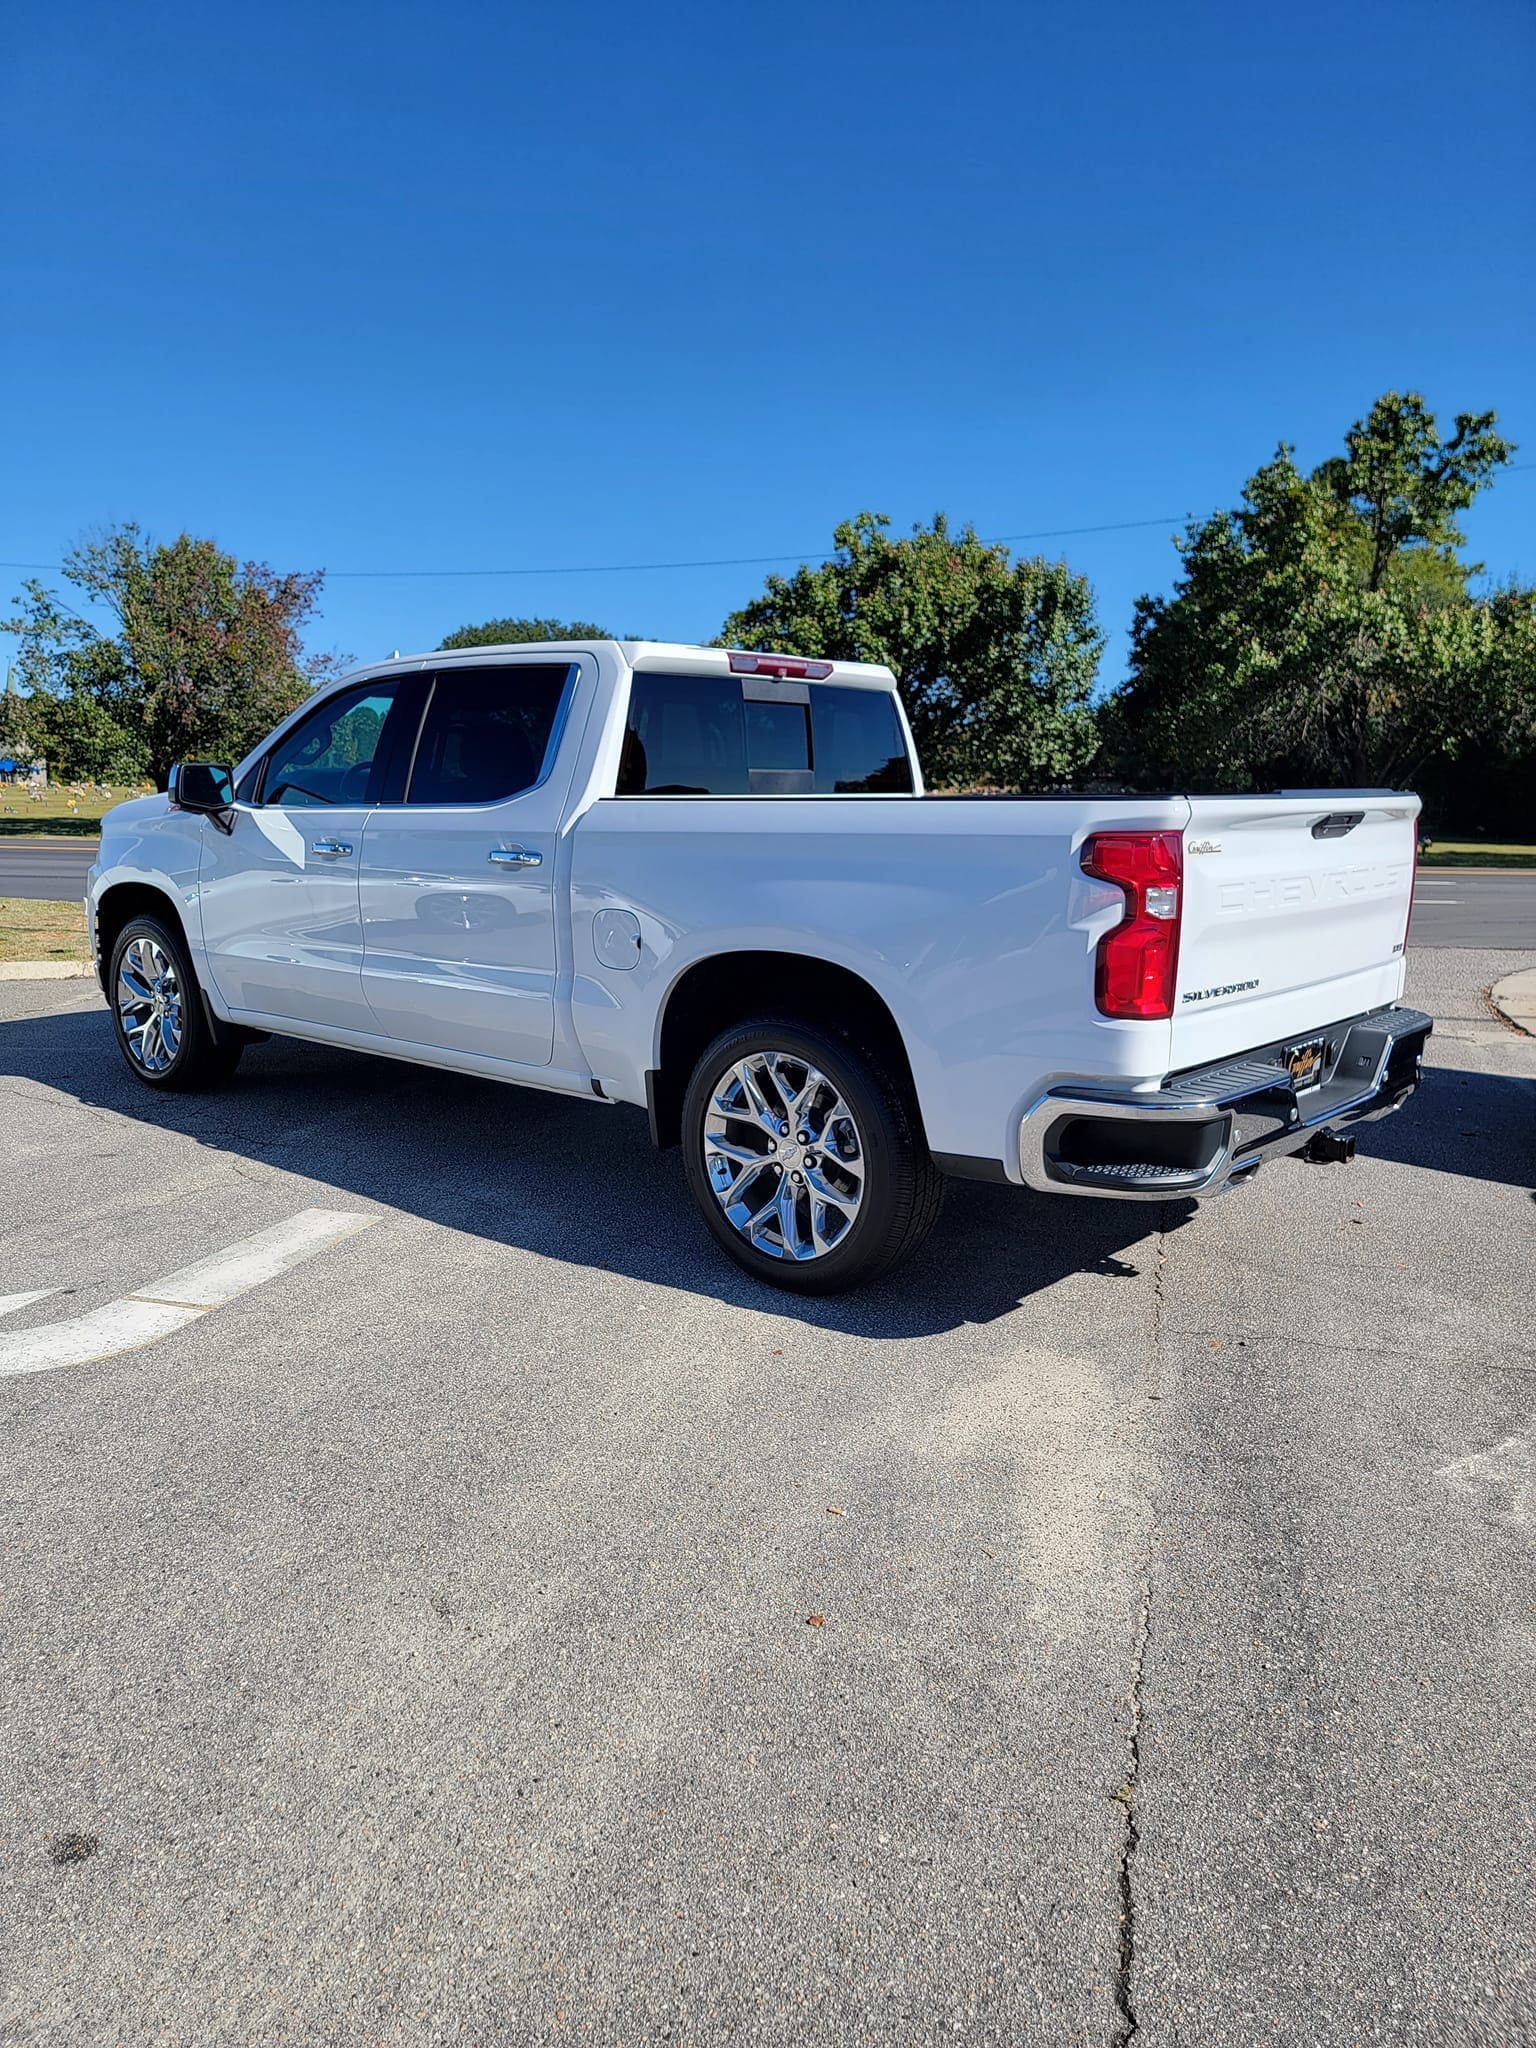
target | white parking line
x=10, y=1303
x=162, y=1306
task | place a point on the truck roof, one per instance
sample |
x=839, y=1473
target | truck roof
x=638, y=654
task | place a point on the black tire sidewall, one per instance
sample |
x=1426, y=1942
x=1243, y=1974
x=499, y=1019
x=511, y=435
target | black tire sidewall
x=867, y=1093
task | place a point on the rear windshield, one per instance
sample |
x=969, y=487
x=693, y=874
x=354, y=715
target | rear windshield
x=735, y=736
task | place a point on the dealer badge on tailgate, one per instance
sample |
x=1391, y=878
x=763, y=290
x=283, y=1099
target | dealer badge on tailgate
x=1304, y=1063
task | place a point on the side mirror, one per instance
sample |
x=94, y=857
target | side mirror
x=205, y=787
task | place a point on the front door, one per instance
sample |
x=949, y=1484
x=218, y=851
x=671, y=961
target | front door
x=457, y=884
x=280, y=915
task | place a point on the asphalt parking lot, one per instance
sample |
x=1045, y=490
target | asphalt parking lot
x=487, y=1617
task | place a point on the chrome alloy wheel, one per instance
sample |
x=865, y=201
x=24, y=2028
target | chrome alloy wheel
x=149, y=1005
x=784, y=1156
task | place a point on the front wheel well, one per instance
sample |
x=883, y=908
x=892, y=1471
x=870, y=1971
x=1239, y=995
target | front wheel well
x=123, y=902
x=731, y=987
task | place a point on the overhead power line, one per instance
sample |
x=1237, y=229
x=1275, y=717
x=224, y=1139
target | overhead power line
x=715, y=562
x=651, y=568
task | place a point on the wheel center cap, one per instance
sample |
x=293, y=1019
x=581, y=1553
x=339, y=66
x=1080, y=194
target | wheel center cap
x=789, y=1150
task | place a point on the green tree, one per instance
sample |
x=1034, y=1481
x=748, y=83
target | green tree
x=76, y=735
x=995, y=658
x=204, y=658
x=1324, y=631
x=514, y=632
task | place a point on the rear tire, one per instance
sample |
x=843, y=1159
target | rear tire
x=159, y=1020
x=806, y=1157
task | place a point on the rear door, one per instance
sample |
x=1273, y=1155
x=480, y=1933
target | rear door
x=1295, y=915
x=457, y=886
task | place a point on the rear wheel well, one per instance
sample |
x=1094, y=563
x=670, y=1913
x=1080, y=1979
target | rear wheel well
x=119, y=905
x=731, y=987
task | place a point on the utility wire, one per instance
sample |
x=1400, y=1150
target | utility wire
x=718, y=562
x=646, y=568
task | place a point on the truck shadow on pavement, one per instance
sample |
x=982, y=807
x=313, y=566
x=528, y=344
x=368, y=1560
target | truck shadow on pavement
x=581, y=1183
x=568, y=1180
x=1482, y=1126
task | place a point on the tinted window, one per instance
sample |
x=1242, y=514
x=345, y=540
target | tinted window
x=707, y=736
x=859, y=745
x=685, y=737
x=778, y=736
x=337, y=755
x=486, y=733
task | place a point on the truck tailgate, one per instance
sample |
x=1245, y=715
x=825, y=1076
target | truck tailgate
x=1295, y=914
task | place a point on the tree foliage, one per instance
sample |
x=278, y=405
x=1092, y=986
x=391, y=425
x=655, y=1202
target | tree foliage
x=995, y=658
x=515, y=632
x=204, y=658
x=1324, y=631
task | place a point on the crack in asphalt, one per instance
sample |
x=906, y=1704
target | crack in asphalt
x=1127, y=2019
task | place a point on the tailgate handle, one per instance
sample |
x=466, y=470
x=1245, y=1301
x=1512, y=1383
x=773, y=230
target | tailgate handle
x=1336, y=824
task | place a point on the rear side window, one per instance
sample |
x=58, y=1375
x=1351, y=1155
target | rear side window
x=486, y=732
x=860, y=750
x=731, y=736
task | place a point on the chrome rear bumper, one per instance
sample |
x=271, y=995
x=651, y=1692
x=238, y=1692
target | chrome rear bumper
x=1201, y=1131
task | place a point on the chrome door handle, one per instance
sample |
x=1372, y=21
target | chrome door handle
x=513, y=857
x=330, y=847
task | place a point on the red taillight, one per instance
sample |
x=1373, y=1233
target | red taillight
x=790, y=667
x=1138, y=962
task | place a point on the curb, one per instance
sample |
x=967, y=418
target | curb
x=1515, y=1000
x=45, y=970
x=1430, y=867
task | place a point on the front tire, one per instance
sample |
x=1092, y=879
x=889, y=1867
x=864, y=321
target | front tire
x=158, y=1019
x=805, y=1157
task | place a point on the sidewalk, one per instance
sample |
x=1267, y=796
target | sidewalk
x=1515, y=999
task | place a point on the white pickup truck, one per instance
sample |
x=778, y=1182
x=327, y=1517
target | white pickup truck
x=711, y=883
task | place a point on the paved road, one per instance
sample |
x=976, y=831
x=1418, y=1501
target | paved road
x=1453, y=908
x=1449, y=909
x=45, y=871
x=421, y=1637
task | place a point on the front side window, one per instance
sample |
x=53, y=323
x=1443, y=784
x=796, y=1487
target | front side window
x=486, y=732
x=338, y=754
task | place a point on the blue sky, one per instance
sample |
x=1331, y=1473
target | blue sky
x=495, y=286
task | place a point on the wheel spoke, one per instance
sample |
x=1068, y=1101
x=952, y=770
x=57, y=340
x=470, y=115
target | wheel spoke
x=760, y=1216
x=819, y=1238
x=740, y=1163
x=789, y=1220
x=729, y=1148
x=769, y=1118
x=825, y=1191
